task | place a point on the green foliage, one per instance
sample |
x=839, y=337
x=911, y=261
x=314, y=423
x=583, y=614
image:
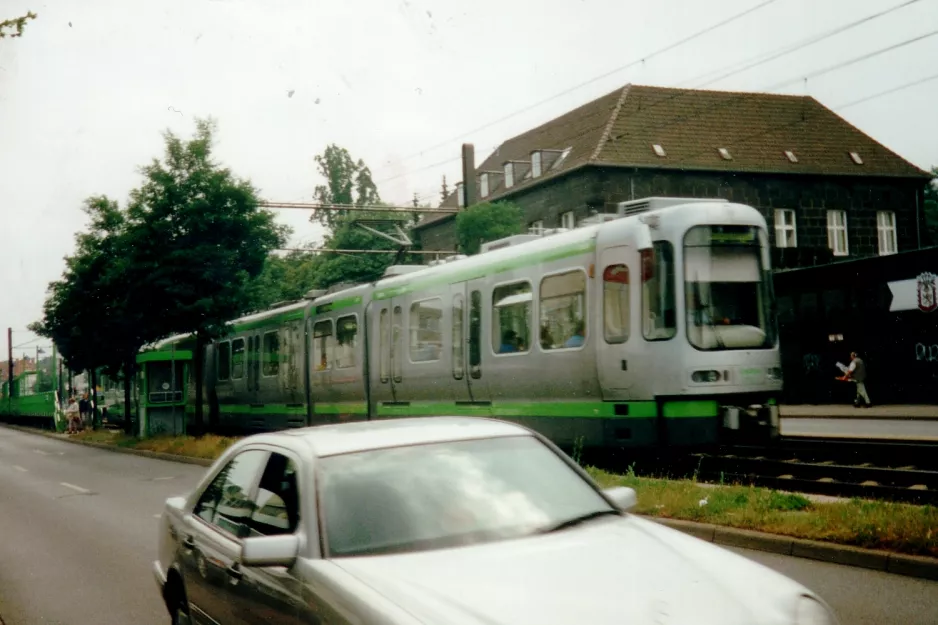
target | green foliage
x=285, y=278
x=486, y=222
x=17, y=23
x=348, y=182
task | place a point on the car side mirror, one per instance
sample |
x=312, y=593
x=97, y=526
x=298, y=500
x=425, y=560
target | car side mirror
x=623, y=497
x=270, y=550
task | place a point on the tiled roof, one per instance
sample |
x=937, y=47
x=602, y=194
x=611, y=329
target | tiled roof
x=621, y=128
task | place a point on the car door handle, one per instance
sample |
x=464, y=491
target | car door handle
x=235, y=571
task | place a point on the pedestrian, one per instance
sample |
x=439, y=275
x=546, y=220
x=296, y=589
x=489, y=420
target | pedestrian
x=856, y=372
x=83, y=411
x=73, y=416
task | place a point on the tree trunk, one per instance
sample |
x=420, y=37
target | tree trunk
x=198, y=427
x=94, y=399
x=128, y=378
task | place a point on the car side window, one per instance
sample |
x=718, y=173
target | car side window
x=277, y=504
x=227, y=502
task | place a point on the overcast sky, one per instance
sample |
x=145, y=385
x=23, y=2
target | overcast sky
x=86, y=92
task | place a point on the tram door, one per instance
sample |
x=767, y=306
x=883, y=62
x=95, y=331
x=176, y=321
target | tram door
x=254, y=368
x=465, y=344
x=617, y=273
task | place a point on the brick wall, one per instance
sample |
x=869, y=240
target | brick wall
x=811, y=197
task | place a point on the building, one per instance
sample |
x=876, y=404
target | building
x=829, y=192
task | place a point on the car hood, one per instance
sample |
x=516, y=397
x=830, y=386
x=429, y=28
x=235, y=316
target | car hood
x=608, y=571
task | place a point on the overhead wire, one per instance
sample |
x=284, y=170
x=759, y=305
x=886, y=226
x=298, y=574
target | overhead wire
x=752, y=63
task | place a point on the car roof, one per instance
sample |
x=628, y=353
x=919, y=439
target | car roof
x=343, y=438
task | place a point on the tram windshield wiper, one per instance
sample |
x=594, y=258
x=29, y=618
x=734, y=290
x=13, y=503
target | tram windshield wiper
x=578, y=520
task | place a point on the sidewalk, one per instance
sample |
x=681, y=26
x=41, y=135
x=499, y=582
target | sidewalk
x=839, y=411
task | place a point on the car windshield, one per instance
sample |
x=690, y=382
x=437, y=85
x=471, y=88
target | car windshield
x=449, y=494
x=728, y=288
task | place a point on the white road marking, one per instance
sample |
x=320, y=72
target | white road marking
x=78, y=488
x=39, y=451
x=158, y=479
x=19, y=468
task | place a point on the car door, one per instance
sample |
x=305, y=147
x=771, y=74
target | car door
x=210, y=544
x=272, y=594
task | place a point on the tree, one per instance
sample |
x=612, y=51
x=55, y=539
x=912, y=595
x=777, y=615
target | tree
x=487, y=221
x=348, y=182
x=86, y=312
x=200, y=239
x=18, y=23
x=931, y=207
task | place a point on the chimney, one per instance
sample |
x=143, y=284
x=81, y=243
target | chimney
x=469, y=173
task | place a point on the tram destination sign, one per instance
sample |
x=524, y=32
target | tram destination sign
x=920, y=292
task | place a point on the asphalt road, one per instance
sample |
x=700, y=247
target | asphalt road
x=78, y=536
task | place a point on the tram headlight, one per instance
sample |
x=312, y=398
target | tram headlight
x=702, y=377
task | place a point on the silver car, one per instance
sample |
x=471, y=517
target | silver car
x=441, y=520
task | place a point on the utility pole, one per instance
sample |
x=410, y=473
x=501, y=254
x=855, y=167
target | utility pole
x=444, y=193
x=10, y=347
x=416, y=200
x=469, y=173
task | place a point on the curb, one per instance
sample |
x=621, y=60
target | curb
x=154, y=455
x=899, y=564
x=922, y=567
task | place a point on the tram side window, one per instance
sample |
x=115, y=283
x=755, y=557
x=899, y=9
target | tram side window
x=271, y=354
x=563, y=310
x=511, y=318
x=237, y=359
x=458, y=338
x=616, y=323
x=322, y=344
x=224, y=361
x=426, y=332
x=346, y=333
x=475, y=335
x=659, y=318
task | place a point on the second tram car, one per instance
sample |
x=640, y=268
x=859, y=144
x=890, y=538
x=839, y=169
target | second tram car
x=652, y=327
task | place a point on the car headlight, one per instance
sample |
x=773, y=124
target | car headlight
x=813, y=612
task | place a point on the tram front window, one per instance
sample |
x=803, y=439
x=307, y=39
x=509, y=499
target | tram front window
x=728, y=288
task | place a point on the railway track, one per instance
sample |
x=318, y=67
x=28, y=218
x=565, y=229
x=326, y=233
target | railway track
x=886, y=470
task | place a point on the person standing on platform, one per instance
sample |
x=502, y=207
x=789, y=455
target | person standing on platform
x=856, y=372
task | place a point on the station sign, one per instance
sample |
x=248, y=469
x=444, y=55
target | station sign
x=920, y=293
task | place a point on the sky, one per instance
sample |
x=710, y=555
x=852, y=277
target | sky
x=87, y=92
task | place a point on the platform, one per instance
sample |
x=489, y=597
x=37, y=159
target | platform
x=840, y=411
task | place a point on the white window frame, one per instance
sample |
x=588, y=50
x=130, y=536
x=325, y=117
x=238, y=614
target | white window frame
x=568, y=220
x=783, y=226
x=484, y=185
x=833, y=228
x=535, y=164
x=886, y=233
x=509, y=175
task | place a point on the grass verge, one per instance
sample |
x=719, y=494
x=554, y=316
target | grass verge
x=896, y=527
x=900, y=528
x=209, y=446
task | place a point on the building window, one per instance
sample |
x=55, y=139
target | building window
x=659, y=150
x=567, y=220
x=616, y=320
x=791, y=156
x=461, y=192
x=886, y=231
x=725, y=154
x=484, y=185
x=535, y=164
x=855, y=157
x=563, y=310
x=837, y=232
x=346, y=333
x=511, y=318
x=426, y=332
x=537, y=226
x=785, y=231
x=509, y=175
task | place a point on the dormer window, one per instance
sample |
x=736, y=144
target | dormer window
x=856, y=158
x=484, y=185
x=659, y=150
x=535, y=164
x=791, y=156
x=725, y=154
x=509, y=175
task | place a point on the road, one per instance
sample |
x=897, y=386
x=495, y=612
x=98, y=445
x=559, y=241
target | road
x=79, y=535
